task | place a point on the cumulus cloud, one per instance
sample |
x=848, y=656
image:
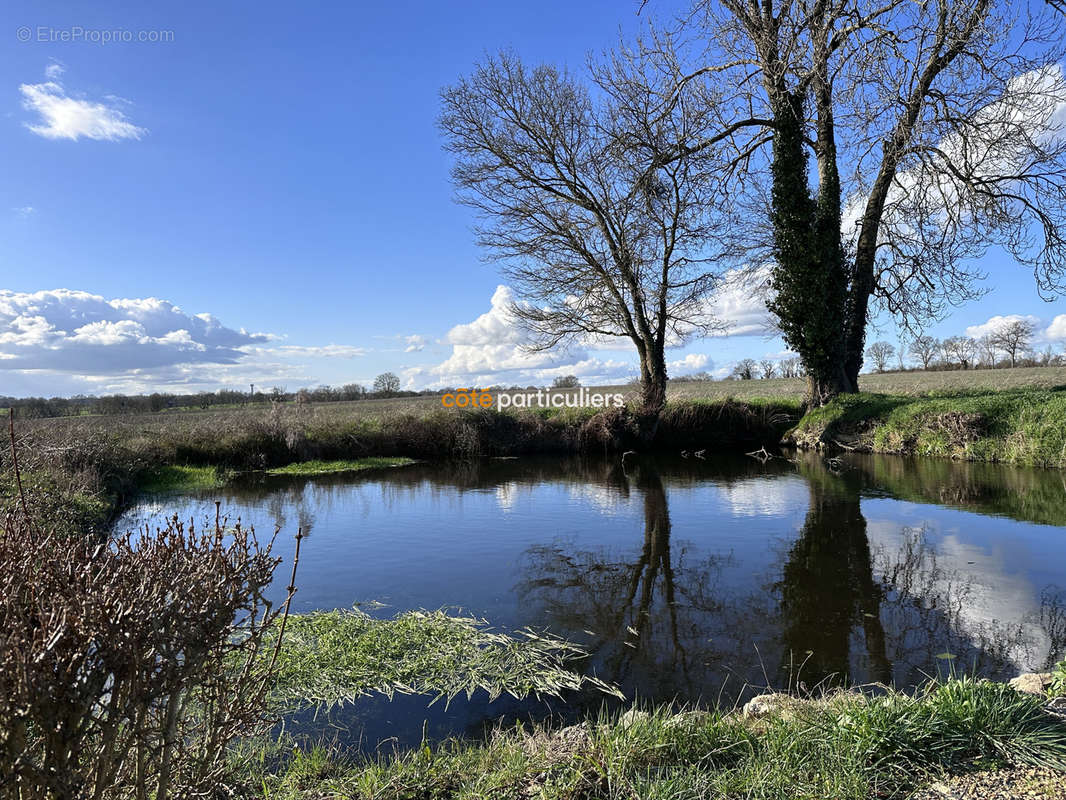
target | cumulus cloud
x=71, y=331
x=66, y=117
x=998, y=145
x=1057, y=329
x=54, y=70
x=998, y=322
x=414, y=343
x=493, y=349
x=693, y=362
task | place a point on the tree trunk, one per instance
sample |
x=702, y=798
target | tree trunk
x=824, y=387
x=862, y=284
x=809, y=276
x=652, y=391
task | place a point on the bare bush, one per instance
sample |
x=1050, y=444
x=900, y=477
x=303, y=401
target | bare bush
x=128, y=666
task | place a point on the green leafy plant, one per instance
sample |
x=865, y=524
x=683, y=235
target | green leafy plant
x=1058, y=680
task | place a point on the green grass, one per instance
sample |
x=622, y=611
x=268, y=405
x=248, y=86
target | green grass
x=335, y=657
x=168, y=479
x=317, y=467
x=1012, y=426
x=846, y=747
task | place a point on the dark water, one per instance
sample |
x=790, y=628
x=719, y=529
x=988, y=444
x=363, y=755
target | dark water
x=690, y=581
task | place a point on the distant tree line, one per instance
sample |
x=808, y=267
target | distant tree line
x=386, y=385
x=38, y=407
x=1009, y=345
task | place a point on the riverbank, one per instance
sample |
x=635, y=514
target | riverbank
x=83, y=471
x=1025, y=427
x=845, y=746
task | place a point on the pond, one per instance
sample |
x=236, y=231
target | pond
x=689, y=581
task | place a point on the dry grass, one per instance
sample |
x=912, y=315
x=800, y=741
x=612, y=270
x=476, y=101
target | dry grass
x=895, y=383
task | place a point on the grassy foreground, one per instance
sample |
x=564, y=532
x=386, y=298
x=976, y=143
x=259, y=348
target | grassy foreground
x=1013, y=426
x=846, y=746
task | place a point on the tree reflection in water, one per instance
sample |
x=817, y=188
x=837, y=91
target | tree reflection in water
x=649, y=617
x=662, y=622
x=686, y=578
x=828, y=591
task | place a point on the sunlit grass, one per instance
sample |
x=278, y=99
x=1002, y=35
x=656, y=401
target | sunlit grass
x=334, y=657
x=847, y=747
x=167, y=479
x=318, y=467
x=1015, y=426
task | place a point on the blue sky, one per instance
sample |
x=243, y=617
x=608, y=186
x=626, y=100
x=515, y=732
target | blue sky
x=262, y=196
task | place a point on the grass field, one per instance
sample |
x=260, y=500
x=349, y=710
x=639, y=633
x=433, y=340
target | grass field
x=778, y=389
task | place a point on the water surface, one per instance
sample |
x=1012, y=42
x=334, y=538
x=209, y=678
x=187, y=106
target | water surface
x=695, y=581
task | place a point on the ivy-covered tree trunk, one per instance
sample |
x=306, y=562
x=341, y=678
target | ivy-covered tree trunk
x=809, y=276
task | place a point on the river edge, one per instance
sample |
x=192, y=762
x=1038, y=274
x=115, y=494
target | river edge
x=1017, y=427
x=860, y=743
x=84, y=472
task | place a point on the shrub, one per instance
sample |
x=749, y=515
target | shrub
x=1058, y=680
x=128, y=666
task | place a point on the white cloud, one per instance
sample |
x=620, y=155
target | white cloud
x=495, y=326
x=322, y=351
x=492, y=350
x=77, y=332
x=54, y=70
x=1032, y=107
x=1057, y=329
x=414, y=343
x=999, y=321
x=66, y=117
x=740, y=304
x=24, y=212
x=693, y=362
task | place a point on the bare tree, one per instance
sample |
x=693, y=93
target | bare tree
x=989, y=348
x=880, y=352
x=767, y=368
x=745, y=369
x=387, y=383
x=600, y=236
x=924, y=348
x=1014, y=338
x=960, y=349
x=901, y=353
x=791, y=368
